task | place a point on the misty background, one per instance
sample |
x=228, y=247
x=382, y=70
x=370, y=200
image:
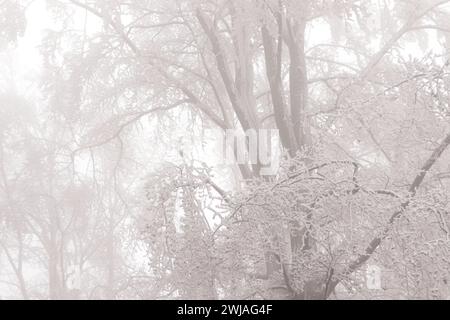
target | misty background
x=112, y=178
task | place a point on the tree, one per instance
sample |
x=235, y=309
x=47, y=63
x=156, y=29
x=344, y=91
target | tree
x=364, y=128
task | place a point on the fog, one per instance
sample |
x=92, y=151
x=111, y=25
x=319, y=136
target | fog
x=194, y=149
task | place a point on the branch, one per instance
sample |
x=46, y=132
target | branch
x=109, y=21
x=433, y=27
x=219, y=190
x=330, y=61
x=119, y=30
x=223, y=70
x=138, y=116
x=408, y=26
x=273, y=64
x=427, y=166
x=375, y=243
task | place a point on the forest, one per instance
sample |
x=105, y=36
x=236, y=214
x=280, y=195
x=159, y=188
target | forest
x=224, y=149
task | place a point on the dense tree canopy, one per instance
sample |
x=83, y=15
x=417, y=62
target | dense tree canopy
x=99, y=201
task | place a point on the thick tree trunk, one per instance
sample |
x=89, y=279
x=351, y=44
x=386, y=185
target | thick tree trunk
x=298, y=82
x=273, y=59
